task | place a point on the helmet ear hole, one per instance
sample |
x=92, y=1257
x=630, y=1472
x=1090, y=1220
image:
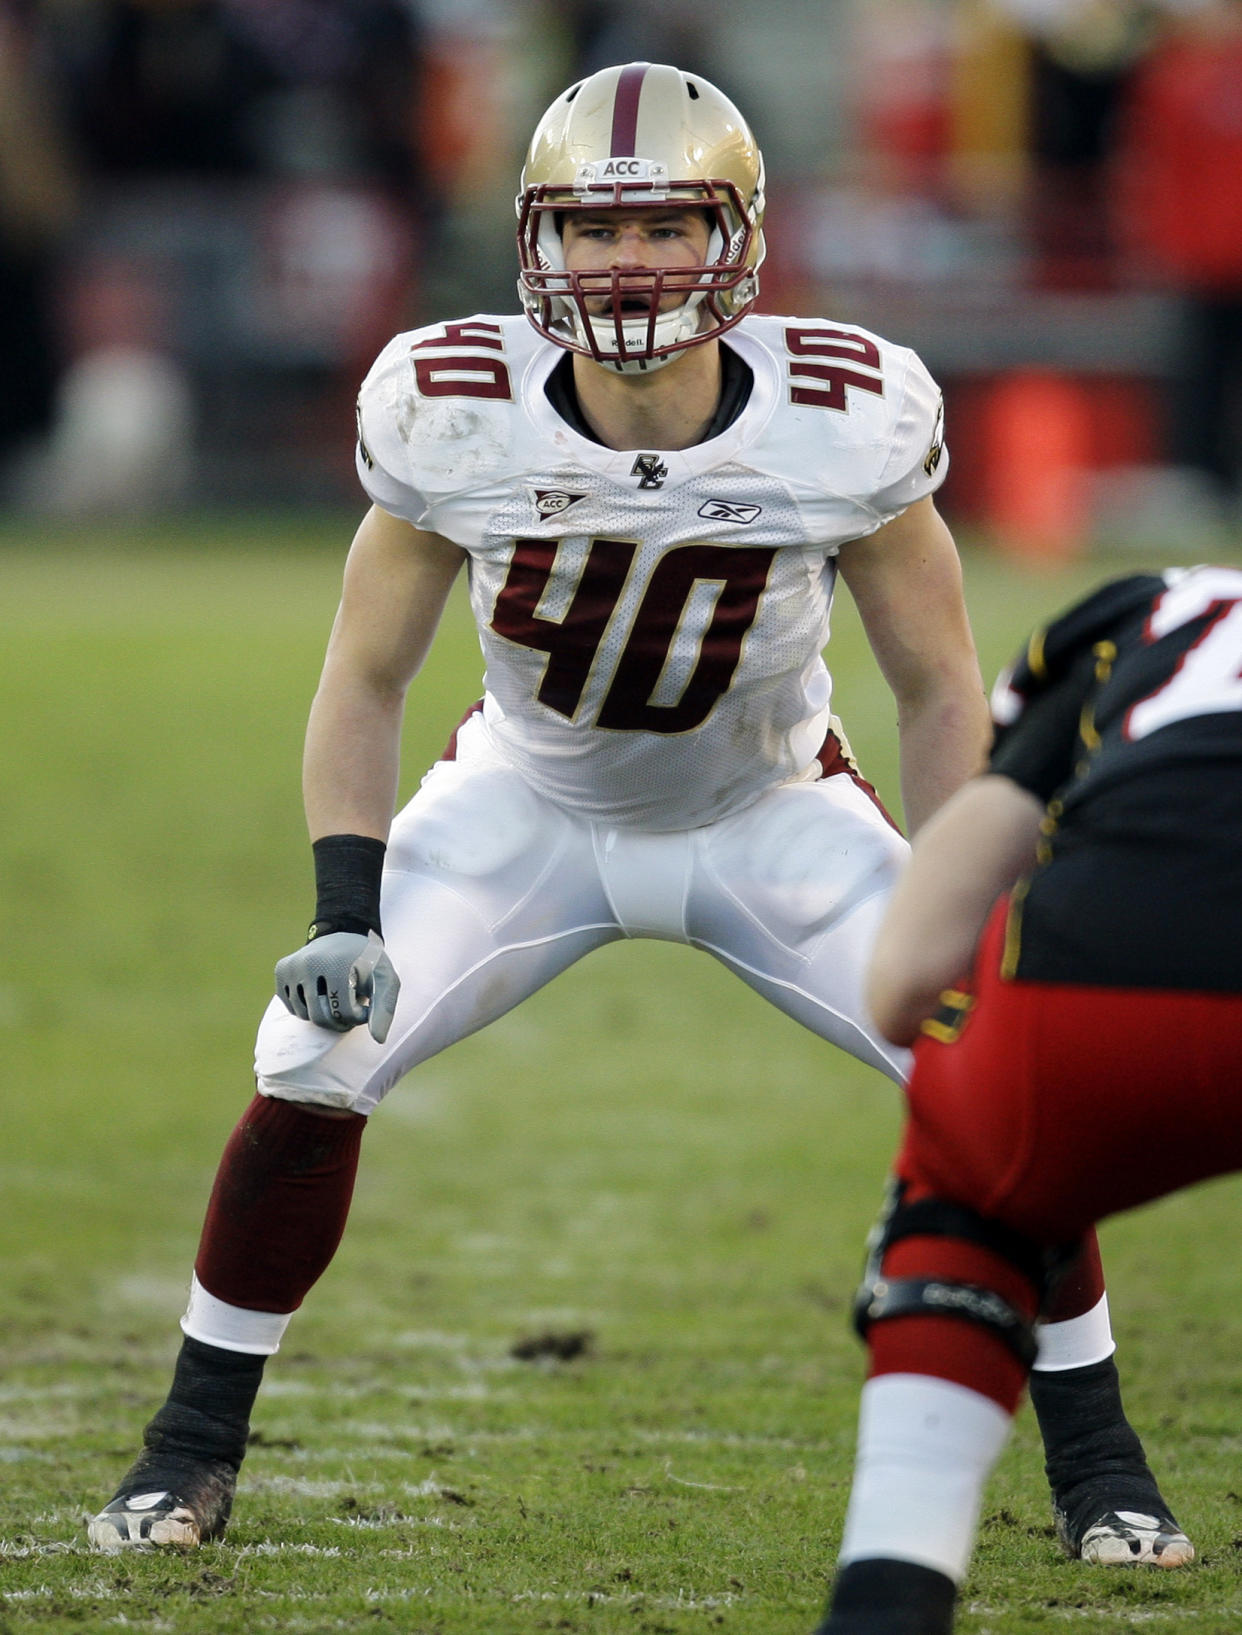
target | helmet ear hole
x=641, y=135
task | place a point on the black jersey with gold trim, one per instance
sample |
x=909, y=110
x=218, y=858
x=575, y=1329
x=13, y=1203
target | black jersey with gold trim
x=1125, y=715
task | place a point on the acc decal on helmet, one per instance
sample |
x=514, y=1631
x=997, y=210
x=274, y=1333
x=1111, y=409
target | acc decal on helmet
x=640, y=136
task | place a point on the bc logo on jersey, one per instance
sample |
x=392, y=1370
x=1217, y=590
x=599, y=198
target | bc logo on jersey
x=650, y=470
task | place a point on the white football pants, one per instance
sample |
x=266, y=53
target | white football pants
x=489, y=891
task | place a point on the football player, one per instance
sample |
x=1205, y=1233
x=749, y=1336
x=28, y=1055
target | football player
x=1087, y=1066
x=652, y=490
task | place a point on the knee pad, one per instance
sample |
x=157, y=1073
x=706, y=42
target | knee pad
x=881, y=1298
x=297, y=1062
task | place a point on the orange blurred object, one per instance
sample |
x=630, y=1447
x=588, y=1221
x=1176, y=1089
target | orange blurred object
x=1038, y=442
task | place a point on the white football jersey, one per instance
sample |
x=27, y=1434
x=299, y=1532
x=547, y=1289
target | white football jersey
x=651, y=620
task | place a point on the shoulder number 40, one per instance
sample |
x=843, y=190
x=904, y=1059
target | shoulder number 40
x=824, y=364
x=461, y=373
x=836, y=358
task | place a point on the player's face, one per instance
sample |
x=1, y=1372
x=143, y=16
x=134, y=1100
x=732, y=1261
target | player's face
x=633, y=244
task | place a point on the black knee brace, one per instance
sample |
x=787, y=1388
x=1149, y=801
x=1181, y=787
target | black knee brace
x=880, y=1297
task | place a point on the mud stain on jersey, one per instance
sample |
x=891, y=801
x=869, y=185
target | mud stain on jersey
x=448, y=436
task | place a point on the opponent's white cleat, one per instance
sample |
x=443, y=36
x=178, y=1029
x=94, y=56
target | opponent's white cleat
x=1123, y=1538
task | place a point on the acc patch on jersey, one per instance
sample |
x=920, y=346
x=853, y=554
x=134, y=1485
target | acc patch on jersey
x=550, y=502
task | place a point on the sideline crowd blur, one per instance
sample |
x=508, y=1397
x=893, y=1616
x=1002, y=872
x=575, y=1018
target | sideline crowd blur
x=1045, y=200
x=214, y=212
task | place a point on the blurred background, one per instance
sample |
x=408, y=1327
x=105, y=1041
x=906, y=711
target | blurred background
x=213, y=213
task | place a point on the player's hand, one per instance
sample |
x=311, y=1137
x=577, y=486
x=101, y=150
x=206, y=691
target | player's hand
x=340, y=981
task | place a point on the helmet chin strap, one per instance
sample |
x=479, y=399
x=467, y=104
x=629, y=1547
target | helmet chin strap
x=636, y=366
x=680, y=325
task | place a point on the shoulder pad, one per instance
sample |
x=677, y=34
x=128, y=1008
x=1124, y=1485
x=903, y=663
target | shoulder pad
x=436, y=412
x=1053, y=649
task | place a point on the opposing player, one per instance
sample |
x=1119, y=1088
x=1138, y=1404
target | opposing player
x=1089, y=1065
x=652, y=490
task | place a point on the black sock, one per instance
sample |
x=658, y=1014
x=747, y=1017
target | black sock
x=1092, y=1455
x=879, y=1597
x=207, y=1413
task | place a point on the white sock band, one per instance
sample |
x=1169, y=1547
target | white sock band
x=233, y=1328
x=1077, y=1341
x=925, y=1448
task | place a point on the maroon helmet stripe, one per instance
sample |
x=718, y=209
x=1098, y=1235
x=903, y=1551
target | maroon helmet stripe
x=625, y=110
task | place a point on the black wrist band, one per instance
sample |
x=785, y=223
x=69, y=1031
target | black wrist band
x=347, y=884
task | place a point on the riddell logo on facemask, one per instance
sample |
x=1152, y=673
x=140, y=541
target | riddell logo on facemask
x=550, y=502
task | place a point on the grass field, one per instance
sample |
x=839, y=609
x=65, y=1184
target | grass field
x=643, y=1157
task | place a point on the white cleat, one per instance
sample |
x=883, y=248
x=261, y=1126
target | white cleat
x=144, y=1519
x=158, y=1518
x=1125, y=1538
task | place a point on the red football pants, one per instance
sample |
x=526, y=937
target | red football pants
x=1059, y=1105
x=1054, y=1107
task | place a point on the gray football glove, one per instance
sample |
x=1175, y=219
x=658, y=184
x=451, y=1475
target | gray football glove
x=340, y=981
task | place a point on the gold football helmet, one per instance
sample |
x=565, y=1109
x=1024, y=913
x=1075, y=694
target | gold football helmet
x=642, y=135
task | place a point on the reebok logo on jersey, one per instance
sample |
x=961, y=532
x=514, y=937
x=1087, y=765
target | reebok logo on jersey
x=726, y=511
x=550, y=502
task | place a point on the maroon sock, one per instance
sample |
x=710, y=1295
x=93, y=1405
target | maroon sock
x=279, y=1205
x=1081, y=1287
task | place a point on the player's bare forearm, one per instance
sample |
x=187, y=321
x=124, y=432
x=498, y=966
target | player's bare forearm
x=397, y=579
x=971, y=850
x=943, y=742
x=907, y=583
x=351, y=762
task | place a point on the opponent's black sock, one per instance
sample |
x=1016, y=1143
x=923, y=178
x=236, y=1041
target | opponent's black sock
x=880, y=1597
x=1092, y=1455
